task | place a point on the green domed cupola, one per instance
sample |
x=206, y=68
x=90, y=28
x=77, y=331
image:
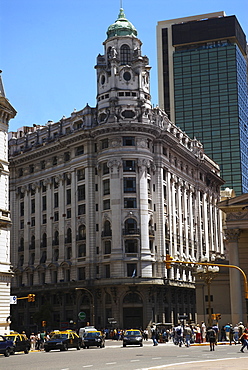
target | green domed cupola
x=121, y=27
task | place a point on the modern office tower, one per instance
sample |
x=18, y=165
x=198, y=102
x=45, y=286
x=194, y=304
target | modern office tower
x=202, y=74
x=6, y=113
x=99, y=198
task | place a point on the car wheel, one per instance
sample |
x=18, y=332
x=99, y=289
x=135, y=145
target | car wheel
x=141, y=344
x=87, y=347
x=124, y=345
x=26, y=351
x=7, y=352
x=47, y=350
x=83, y=347
x=78, y=347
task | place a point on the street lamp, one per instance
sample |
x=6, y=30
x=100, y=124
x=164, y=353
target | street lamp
x=93, y=303
x=207, y=274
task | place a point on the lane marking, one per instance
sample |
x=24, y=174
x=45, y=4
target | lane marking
x=110, y=363
x=156, y=358
x=134, y=360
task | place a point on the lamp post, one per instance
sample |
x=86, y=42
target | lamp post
x=93, y=303
x=207, y=274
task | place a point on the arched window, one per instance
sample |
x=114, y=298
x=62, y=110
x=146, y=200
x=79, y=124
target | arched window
x=43, y=257
x=68, y=253
x=31, y=258
x=107, y=228
x=56, y=238
x=82, y=232
x=125, y=54
x=131, y=246
x=21, y=260
x=68, y=236
x=56, y=255
x=44, y=240
x=130, y=226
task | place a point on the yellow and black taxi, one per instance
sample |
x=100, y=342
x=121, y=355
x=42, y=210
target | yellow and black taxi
x=20, y=342
x=132, y=337
x=63, y=340
x=93, y=338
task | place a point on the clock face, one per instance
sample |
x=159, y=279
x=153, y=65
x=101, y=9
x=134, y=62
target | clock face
x=127, y=76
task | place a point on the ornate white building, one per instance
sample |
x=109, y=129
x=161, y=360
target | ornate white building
x=100, y=197
x=6, y=113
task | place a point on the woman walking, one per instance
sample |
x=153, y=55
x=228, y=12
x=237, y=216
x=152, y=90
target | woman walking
x=244, y=340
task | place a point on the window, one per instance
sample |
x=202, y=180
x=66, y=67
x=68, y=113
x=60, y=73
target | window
x=106, y=187
x=43, y=187
x=20, y=172
x=79, y=150
x=56, y=216
x=104, y=143
x=42, y=165
x=22, y=209
x=82, y=250
x=129, y=166
x=56, y=238
x=68, y=253
x=44, y=240
x=32, y=205
x=68, y=196
x=81, y=273
x=131, y=246
x=81, y=209
x=43, y=257
x=125, y=54
x=81, y=232
x=131, y=269
x=128, y=141
x=67, y=156
x=107, y=247
x=32, y=245
x=130, y=203
x=129, y=185
x=56, y=200
x=68, y=236
x=105, y=168
x=44, y=203
x=81, y=192
x=44, y=219
x=106, y=204
x=130, y=226
x=68, y=213
x=107, y=271
x=56, y=254
x=81, y=174
x=31, y=168
x=21, y=248
x=107, y=228
x=21, y=224
x=55, y=161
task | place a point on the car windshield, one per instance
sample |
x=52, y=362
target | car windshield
x=10, y=337
x=134, y=333
x=60, y=336
x=93, y=334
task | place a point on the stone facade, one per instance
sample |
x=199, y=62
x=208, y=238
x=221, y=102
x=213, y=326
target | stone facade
x=99, y=198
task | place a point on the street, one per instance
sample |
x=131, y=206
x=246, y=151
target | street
x=114, y=356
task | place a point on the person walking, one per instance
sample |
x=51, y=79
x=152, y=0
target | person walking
x=231, y=335
x=227, y=330
x=244, y=340
x=32, y=341
x=187, y=335
x=203, y=331
x=211, y=337
x=154, y=335
x=236, y=334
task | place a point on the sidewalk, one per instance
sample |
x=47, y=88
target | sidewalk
x=227, y=364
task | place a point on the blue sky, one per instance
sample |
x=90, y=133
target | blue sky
x=48, y=48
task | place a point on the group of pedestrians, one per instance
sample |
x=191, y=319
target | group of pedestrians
x=37, y=340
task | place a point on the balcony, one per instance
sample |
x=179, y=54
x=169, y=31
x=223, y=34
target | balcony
x=106, y=233
x=131, y=232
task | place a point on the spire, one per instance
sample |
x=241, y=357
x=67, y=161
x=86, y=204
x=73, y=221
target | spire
x=121, y=27
x=2, y=93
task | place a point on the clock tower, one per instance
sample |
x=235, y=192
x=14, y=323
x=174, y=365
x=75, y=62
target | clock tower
x=123, y=81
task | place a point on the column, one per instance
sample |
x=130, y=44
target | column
x=236, y=294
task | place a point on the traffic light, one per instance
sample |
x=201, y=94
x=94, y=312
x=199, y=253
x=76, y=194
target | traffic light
x=214, y=316
x=43, y=323
x=168, y=260
x=31, y=297
x=218, y=316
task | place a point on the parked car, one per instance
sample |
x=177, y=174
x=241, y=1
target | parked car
x=21, y=343
x=6, y=346
x=63, y=340
x=93, y=338
x=132, y=337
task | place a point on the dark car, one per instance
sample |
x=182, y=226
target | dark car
x=63, y=340
x=6, y=346
x=132, y=336
x=93, y=338
x=21, y=343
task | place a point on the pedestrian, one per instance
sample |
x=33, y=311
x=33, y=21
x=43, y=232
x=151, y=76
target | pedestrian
x=32, y=341
x=211, y=337
x=145, y=334
x=236, y=334
x=216, y=329
x=227, y=331
x=231, y=335
x=154, y=335
x=179, y=335
x=187, y=335
x=244, y=340
x=203, y=332
x=222, y=334
x=198, y=337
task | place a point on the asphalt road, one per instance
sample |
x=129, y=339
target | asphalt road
x=148, y=357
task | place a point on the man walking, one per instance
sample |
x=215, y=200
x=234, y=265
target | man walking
x=211, y=337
